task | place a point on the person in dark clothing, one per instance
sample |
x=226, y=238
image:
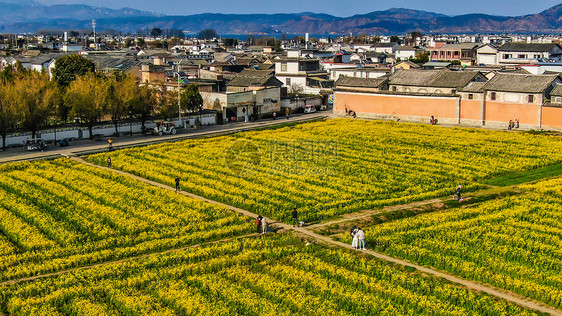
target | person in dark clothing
x=458, y=192
x=274, y=115
x=294, y=219
x=258, y=224
x=177, y=183
x=109, y=162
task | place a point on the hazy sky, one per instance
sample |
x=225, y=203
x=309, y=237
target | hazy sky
x=334, y=7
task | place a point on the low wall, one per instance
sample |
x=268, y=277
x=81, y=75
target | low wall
x=552, y=118
x=404, y=107
x=105, y=130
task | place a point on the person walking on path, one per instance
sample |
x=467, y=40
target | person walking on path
x=110, y=144
x=109, y=162
x=361, y=238
x=355, y=240
x=263, y=225
x=458, y=192
x=294, y=219
x=258, y=223
x=274, y=115
x=177, y=184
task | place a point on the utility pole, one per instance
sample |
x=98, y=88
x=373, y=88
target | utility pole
x=94, y=27
x=179, y=95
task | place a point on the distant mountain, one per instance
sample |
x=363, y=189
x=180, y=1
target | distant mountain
x=18, y=11
x=30, y=16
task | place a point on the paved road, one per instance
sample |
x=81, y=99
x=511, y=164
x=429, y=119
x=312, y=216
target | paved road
x=90, y=146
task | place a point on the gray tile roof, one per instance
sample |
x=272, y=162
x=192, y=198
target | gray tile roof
x=474, y=87
x=557, y=91
x=520, y=83
x=433, y=78
x=249, y=77
x=524, y=47
x=360, y=82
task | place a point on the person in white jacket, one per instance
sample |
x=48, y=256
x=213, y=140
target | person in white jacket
x=263, y=226
x=355, y=239
x=361, y=237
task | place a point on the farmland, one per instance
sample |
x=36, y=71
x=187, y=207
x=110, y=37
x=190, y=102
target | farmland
x=61, y=214
x=514, y=243
x=275, y=275
x=325, y=169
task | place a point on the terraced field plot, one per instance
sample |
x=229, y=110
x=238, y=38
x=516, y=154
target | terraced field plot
x=61, y=214
x=514, y=243
x=277, y=275
x=337, y=166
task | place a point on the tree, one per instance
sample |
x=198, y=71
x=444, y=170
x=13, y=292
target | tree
x=395, y=39
x=207, y=34
x=36, y=95
x=144, y=105
x=230, y=42
x=87, y=97
x=67, y=68
x=9, y=112
x=191, y=99
x=166, y=102
x=156, y=32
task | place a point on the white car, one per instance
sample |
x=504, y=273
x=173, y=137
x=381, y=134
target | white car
x=309, y=108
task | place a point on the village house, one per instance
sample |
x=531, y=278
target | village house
x=458, y=97
x=464, y=53
x=487, y=55
x=249, y=79
x=522, y=53
x=301, y=75
x=407, y=52
x=387, y=48
x=362, y=84
x=243, y=106
x=432, y=81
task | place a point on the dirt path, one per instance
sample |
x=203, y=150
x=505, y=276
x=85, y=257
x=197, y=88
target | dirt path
x=42, y=276
x=367, y=213
x=508, y=296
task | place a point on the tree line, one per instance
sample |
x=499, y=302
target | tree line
x=30, y=101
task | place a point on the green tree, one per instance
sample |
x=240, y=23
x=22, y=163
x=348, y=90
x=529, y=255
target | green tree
x=156, y=32
x=9, y=111
x=67, y=68
x=143, y=106
x=207, y=34
x=36, y=95
x=166, y=102
x=191, y=99
x=87, y=97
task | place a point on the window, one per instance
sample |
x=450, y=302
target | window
x=394, y=89
x=492, y=96
x=471, y=96
x=531, y=98
x=521, y=56
x=284, y=67
x=288, y=82
x=506, y=56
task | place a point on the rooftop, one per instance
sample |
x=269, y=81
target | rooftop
x=509, y=82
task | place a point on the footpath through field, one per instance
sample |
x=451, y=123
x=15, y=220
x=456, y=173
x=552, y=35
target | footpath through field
x=89, y=146
x=508, y=296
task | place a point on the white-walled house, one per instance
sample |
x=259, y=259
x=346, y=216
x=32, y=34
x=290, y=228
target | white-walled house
x=487, y=55
x=406, y=52
x=523, y=53
x=301, y=74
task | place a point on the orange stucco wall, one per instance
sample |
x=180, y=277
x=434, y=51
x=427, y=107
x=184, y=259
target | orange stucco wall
x=503, y=112
x=470, y=109
x=552, y=117
x=397, y=105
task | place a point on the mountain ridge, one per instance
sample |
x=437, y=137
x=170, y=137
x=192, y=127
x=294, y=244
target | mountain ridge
x=30, y=16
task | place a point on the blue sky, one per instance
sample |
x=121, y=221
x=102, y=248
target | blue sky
x=334, y=7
